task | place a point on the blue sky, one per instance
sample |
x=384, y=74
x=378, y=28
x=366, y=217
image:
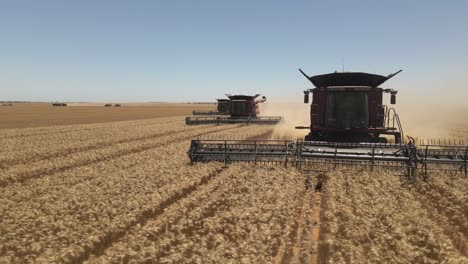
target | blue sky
x=197, y=50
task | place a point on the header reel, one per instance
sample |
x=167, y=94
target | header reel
x=310, y=155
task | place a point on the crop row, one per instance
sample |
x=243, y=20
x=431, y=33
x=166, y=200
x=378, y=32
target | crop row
x=81, y=138
x=67, y=161
x=71, y=214
x=242, y=216
x=47, y=131
x=373, y=217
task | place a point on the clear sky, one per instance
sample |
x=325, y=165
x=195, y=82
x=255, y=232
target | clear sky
x=124, y=51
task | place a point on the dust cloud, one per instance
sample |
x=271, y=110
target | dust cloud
x=419, y=120
x=429, y=107
x=434, y=121
x=435, y=106
x=293, y=113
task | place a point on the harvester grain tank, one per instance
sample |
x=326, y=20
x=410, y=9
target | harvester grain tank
x=241, y=109
x=349, y=126
x=222, y=108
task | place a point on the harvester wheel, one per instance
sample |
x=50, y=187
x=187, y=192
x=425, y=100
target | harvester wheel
x=308, y=183
x=398, y=138
x=382, y=140
x=318, y=186
x=314, y=136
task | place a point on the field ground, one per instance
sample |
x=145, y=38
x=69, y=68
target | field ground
x=126, y=192
x=22, y=115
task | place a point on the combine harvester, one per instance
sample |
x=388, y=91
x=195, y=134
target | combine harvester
x=350, y=125
x=241, y=109
x=222, y=108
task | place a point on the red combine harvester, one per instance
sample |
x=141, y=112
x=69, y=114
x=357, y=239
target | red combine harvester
x=241, y=109
x=222, y=108
x=347, y=107
x=348, y=122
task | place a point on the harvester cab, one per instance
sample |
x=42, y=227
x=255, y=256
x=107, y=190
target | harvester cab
x=348, y=125
x=241, y=109
x=348, y=107
x=222, y=108
x=244, y=106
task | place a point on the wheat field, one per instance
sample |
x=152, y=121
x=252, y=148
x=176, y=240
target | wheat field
x=125, y=192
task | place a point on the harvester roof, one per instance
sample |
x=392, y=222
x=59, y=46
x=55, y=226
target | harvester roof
x=348, y=79
x=243, y=97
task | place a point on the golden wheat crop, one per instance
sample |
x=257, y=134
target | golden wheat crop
x=68, y=207
x=240, y=216
x=126, y=192
x=373, y=217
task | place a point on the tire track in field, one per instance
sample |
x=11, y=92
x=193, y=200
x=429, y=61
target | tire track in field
x=317, y=208
x=300, y=240
x=27, y=176
x=295, y=250
x=99, y=145
x=98, y=248
x=210, y=208
x=283, y=253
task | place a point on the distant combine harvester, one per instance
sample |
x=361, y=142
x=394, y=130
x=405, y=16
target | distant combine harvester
x=59, y=104
x=115, y=105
